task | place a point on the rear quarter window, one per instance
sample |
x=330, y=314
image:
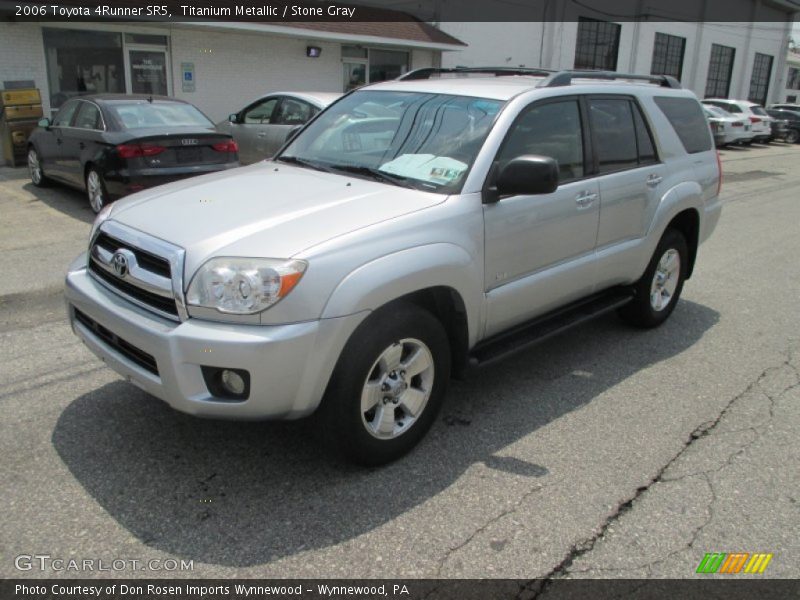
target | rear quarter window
x=686, y=118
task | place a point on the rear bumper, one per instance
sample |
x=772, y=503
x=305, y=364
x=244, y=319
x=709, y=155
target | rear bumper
x=128, y=181
x=289, y=365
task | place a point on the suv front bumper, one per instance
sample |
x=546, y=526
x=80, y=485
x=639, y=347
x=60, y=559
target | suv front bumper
x=289, y=365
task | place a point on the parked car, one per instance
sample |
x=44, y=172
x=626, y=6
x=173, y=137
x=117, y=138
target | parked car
x=374, y=257
x=792, y=119
x=726, y=128
x=115, y=144
x=794, y=107
x=779, y=128
x=759, y=119
x=263, y=126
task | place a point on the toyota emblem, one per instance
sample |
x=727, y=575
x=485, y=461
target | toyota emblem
x=120, y=263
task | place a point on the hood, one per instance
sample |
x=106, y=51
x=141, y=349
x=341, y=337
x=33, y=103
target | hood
x=268, y=209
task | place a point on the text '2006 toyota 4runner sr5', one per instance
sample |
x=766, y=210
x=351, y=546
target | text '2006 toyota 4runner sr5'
x=412, y=229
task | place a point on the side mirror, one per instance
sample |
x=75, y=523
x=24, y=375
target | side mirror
x=528, y=175
x=233, y=118
x=46, y=123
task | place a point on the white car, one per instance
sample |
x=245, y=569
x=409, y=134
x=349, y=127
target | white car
x=728, y=129
x=760, y=121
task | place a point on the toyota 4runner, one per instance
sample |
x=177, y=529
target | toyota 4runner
x=411, y=230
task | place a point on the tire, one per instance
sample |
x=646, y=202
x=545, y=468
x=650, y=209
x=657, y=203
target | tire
x=96, y=190
x=35, y=169
x=792, y=136
x=658, y=291
x=363, y=389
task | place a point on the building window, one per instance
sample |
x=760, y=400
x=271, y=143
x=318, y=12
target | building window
x=793, y=81
x=82, y=62
x=370, y=65
x=759, y=80
x=598, y=44
x=668, y=54
x=720, y=68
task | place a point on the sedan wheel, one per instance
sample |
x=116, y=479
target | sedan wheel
x=792, y=136
x=35, y=168
x=96, y=191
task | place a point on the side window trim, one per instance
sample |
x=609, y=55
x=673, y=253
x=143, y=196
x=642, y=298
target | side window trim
x=588, y=172
x=76, y=114
x=648, y=130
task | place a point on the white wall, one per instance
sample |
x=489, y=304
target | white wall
x=232, y=69
x=494, y=44
x=22, y=56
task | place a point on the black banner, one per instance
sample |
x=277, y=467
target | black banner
x=414, y=589
x=387, y=11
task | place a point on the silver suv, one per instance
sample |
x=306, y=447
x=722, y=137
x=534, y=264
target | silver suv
x=410, y=231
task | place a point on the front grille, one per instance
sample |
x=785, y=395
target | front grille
x=148, y=274
x=128, y=350
x=159, y=302
x=148, y=261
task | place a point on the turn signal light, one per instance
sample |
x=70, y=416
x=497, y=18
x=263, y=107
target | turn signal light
x=226, y=146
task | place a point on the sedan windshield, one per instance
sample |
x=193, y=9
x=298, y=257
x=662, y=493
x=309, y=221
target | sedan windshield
x=138, y=115
x=411, y=139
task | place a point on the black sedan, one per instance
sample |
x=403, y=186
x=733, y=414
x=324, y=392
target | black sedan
x=114, y=144
x=792, y=118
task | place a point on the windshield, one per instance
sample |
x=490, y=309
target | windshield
x=427, y=141
x=143, y=114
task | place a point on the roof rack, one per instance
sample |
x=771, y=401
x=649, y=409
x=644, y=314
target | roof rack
x=428, y=72
x=565, y=78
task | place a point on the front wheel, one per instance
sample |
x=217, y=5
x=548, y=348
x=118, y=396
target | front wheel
x=388, y=385
x=96, y=190
x=792, y=136
x=35, y=168
x=657, y=292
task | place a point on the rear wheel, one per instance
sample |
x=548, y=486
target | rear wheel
x=388, y=385
x=657, y=292
x=35, y=168
x=96, y=190
x=792, y=136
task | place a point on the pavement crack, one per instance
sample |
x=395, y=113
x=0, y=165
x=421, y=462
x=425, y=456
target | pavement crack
x=508, y=511
x=537, y=587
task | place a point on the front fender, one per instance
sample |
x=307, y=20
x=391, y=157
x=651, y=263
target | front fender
x=389, y=277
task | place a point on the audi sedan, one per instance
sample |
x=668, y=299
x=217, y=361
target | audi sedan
x=264, y=125
x=112, y=145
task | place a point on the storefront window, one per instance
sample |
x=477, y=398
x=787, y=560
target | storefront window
x=83, y=62
x=370, y=65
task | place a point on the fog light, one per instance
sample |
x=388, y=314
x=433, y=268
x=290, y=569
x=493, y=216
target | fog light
x=233, y=382
x=227, y=384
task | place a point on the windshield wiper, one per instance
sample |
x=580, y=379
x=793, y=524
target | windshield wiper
x=376, y=174
x=293, y=160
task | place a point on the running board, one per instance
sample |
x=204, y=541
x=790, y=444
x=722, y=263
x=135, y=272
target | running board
x=526, y=335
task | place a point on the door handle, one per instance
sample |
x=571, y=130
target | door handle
x=585, y=199
x=262, y=134
x=58, y=141
x=654, y=180
x=81, y=145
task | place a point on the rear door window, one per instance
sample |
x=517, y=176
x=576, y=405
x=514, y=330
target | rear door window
x=686, y=118
x=614, y=133
x=293, y=112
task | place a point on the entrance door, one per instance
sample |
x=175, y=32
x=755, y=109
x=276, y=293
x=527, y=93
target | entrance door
x=147, y=71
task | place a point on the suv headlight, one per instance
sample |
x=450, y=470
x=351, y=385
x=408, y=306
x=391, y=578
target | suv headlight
x=243, y=286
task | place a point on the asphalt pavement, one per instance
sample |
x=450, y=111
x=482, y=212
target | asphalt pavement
x=604, y=452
